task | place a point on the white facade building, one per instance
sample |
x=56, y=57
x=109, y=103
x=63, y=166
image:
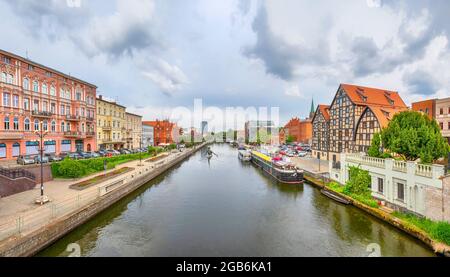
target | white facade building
x=148, y=135
x=404, y=186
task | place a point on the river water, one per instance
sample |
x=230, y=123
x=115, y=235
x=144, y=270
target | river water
x=227, y=208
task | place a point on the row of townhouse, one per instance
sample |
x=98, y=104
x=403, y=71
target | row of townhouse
x=34, y=97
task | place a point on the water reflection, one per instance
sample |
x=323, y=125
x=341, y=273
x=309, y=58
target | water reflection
x=224, y=207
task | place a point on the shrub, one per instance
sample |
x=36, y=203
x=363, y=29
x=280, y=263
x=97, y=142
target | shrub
x=359, y=182
x=71, y=169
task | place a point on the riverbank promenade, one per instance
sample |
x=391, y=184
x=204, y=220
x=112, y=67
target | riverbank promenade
x=19, y=215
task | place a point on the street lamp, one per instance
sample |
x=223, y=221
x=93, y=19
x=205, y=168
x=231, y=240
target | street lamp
x=41, y=134
x=140, y=150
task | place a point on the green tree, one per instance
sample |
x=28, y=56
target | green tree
x=375, y=148
x=413, y=135
x=290, y=139
x=359, y=182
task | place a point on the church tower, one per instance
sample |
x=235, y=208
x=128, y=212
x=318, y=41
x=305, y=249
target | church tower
x=313, y=110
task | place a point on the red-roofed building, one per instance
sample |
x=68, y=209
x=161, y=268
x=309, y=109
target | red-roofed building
x=300, y=130
x=321, y=128
x=165, y=132
x=355, y=115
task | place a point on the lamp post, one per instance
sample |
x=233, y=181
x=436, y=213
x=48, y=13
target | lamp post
x=41, y=134
x=140, y=150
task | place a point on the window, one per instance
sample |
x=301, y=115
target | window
x=63, y=111
x=35, y=86
x=53, y=108
x=62, y=127
x=441, y=111
x=53, y=126
x=44, y=88
x=36, y=105
x=7, y=60
x=26, y=104
x=16, y=101
x=441, y=125
x=36, y=125
x=30, y=67
x=10, y=79
x=400, y=191
x=448, y=126
x=44, y=106
x=380, y=185
x=26, y=84
x=52, y=91
x=45, y=125
x=4, y=77
x=27, y=124
x=6, y=123
x=6, y=99
x=16, y=123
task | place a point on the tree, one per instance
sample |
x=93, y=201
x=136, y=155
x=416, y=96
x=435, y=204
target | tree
x=290, y=139
x=359, y=182
x=413, y=135
x=375, y=148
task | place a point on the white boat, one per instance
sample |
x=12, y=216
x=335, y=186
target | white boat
x=245, y=155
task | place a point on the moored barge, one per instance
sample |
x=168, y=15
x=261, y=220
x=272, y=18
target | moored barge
x=281, y=171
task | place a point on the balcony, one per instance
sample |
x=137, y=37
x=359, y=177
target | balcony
x=90, y=119
x=38, y=114
x=71, y=134
x=106, y=128
x=73, y=117
x=90, y=134
x=11, y=135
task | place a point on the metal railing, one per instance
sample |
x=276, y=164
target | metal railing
x=31, y=220
x=16, y=174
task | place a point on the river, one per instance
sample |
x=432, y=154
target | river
x=227, y=208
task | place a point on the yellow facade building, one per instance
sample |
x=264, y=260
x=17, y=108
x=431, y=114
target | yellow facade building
x=133, y=130
x=111, y=124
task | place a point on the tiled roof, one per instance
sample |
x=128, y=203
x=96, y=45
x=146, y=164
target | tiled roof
x=384, y=115
x=373, y=97
x=325, y=110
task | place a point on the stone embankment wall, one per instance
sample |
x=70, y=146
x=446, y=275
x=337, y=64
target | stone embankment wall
x=32, y=243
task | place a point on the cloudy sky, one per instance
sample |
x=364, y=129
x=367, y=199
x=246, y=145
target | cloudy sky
x=153, y=55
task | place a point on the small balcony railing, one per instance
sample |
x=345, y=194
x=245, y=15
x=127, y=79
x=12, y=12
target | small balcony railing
x=73, y=117
x=90, y=119
x=72, y=134
x=42, y=114
x=90, y=134
x=11, y=135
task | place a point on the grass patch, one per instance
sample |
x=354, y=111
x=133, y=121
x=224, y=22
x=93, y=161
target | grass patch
x=438, y=230
x=74, y=169
x=101, y=178
x=365, y=199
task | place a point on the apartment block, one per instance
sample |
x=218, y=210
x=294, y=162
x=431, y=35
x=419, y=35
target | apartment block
x=34, y=96
x=111, y=124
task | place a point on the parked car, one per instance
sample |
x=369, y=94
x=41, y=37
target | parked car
x=124, y=151
x=85, y=155
x=302, y=154
x=102, y=153
x=37, y=159
x=113, y=152
x=74, y=156
x=53, y=158
x=95, y=155
x=24, y=160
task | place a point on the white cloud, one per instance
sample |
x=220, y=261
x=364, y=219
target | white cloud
x=168, y=78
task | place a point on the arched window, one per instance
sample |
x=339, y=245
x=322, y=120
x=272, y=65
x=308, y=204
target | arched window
x=3, y=77
x=82, y=127
x=36, y=125
x=68, y=126
x=44, y=88
x=27, y=124
x=26, y=84
x=53, y=126
x=6, y=123
x=52, y=91
x=63, y=127
x=16, y=123
x=45, y=125
x=35, y=86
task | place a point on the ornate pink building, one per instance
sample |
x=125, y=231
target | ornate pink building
x=33, y=95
